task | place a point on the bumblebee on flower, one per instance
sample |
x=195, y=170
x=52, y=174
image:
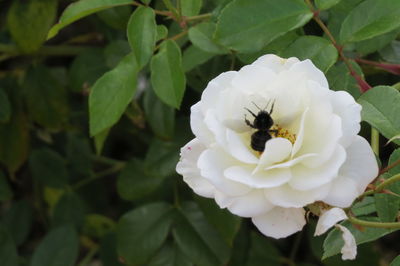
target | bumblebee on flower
x=308, y=151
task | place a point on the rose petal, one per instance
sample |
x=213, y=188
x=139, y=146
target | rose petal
x=349, y=249
x=212, y=163
x=268, y=179
x=187, y=167
x=324, y=145
x=198, y=126
x=276, y=150
x=311, y=72
x=287, y=197
x=305, y=178
x=346, y=107
x=253, y=79
x=360, y=165
x=211, y=93
x=275, y=63
x=300, y=134
x=291, y=163
x=280, y=222
x=342, y=193
x=238, y=149
x=328, y=219
x=249, y=205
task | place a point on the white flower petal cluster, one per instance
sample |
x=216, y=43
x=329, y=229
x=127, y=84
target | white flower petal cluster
x=314, y=155
x=330, y=218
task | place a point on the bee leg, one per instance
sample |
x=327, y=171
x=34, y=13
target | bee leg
x=248, y=122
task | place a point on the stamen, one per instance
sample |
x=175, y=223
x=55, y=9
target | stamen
x=284, y=133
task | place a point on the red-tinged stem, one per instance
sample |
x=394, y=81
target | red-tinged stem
x=387, y=168
x=392, y=68
x=364, y=86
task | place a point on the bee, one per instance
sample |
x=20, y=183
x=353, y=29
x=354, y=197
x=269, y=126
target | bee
x=263, y=123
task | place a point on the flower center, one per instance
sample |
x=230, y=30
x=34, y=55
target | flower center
x=283, y=133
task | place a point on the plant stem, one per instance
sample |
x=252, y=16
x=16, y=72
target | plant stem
x=112, y=170
x=175, y=37
x=202, y=16
x=47, y=50
x=158, y=12
x=362, y=84
x=353, y=220
x=86, y=260
x=382, y=185
x=375, y=140
x=387, y=168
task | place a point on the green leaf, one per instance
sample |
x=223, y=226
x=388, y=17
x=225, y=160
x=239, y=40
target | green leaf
x=99, y=140
x=14, y=141
x=193, y=57
x=381, y=109
x=111, y=95
x=116, y=17
x=277, y=46
x=319, y=50
x=82, y=9
x=262, y=252
x=201, y=36
x=79, y=156
x=162, y=32
x=376, y=43
x=29, y=21
x=224, y=222
x=160, y=116
x=364, y=207
x=391, y=52
x=5, y=191
x=326, y=4
x=369, y=19
x=136, y=181
x=394, y=157
x=68, y=211
x=339, y=78
x=142, y=33
x=108, y=250
x=170, y=255
x=8, y=251
x=86, y=68
x=387, y=206
x=269, y=20
x=18, y=221
x=393, y=138
x=48, y=167
x=163, y=154
x=59, y=248
x=396, y=261
x=46, y=99
x=197, y=239
x=142, y=231
x=98, y=226
x=167, y=76
x=115, y=52
x=191, y=7
x=333, y=242
x=5, y=107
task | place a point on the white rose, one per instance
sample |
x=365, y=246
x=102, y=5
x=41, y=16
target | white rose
x=316, y=154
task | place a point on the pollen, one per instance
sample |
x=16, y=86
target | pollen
x=284, y=133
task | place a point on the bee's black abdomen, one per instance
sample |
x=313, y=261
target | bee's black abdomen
x=258, y=140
